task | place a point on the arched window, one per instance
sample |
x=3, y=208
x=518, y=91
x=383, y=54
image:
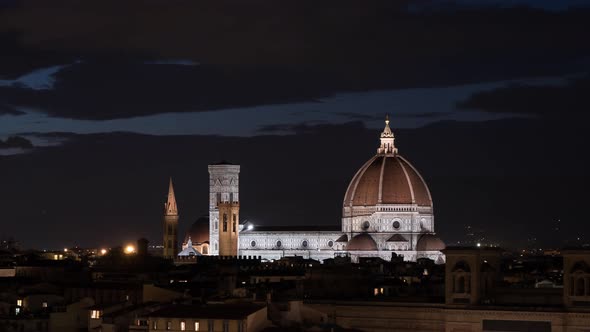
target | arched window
x=304, y=244
x=253, y=244
x=580, y=287
x=225, y=222
x=279, y=244
x=460, y=284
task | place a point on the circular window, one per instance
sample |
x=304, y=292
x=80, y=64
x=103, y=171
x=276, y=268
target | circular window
x=396, y=224
x=330, y=244
x=253, y=244
x=366, y=225
x=279, y=244
x=304, y=243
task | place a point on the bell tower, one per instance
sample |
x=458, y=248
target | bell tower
x=224, y=208
x=228, y=228
x=170, y=224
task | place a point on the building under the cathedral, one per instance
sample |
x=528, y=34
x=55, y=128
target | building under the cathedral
x=387, y=210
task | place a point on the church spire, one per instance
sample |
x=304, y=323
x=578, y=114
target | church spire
x=170, y=208
x=387, y=140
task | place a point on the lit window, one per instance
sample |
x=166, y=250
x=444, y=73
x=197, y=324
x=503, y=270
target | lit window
x=182, y=326
x=44, y=304
x=19, y=302
x=55, y=257
x=95, y=314
x=168, y=326
x=17, y=311
x=197, y=326
x=155, y=325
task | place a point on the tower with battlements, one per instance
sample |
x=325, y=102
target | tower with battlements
x=224, y=208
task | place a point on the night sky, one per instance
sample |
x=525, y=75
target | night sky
x=488, y=99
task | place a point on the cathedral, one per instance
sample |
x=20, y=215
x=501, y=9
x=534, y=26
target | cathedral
x=387, y=211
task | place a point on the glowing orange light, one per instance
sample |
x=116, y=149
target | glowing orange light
x=129, y=249
x=103, y=251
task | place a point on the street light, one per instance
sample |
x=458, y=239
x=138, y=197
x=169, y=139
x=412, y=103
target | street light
x=129, y=249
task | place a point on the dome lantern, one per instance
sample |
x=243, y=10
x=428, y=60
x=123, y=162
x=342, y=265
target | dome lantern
x=387, y=140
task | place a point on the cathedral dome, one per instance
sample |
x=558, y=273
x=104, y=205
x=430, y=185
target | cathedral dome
x=387, y=178
x=199, y=231
x=430, y=242
x=362, y=241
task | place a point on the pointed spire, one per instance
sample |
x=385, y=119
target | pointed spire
x=387, y=140
x=170, y=208
x=189, y=243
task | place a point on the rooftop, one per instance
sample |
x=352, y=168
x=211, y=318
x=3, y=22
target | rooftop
x=213, y=311
x=309, y=228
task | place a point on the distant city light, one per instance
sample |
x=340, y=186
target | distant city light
x=65, y=249
x=250, y=227
x=129, y=249
x=103, y=251
x=478, y=244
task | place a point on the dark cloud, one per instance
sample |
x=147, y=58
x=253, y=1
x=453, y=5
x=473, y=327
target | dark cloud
x=234, y=32
x=379, y=117
x=310, y=128
x=16, y=142
x=9, y=109
x=360, y=116
x=266, y=52
x=423, y=115
x=571, y=99
x=108, y=90
x=366, y=45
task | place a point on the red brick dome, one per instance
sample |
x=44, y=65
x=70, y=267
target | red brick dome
x=430, y=242
x=387, y=179
x=362, y=241
x=198, y=231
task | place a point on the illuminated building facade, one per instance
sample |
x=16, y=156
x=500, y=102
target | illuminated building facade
x=387, y=210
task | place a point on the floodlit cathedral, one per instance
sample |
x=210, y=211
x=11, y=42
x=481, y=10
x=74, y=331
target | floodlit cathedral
x=387, y=210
